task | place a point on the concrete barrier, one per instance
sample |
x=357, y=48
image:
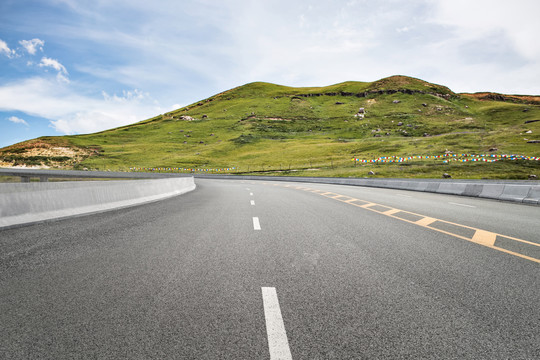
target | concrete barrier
x=491, y=191
x=508, y=190
x=451, y=188
x=533, y=197
x=432, y=187
x=23, y=203
x=514, y=193
x=416, y=186
x=472, y=190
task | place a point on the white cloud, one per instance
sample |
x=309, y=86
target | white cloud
x=70, y=112
x=110, y=112
x=62, y=72
x=403, y=29
x=32, y=45
x=17, y=120
x=4, y=49
x=62, y=78
x=209, y=46
x=175, y=107
x=39, y=96
x=517, y=20
x=47, y=62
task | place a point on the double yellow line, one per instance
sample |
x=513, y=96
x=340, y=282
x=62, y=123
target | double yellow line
x=482, y=237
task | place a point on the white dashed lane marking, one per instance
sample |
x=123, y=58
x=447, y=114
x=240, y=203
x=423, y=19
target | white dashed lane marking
x=275, y=328
x=256, y=224
x=458, y=204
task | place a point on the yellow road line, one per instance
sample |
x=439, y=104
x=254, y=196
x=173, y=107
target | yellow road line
x=391, y=212
x=483, y=237
x=341, y=196
x=480, y=237
x=426, y=221
x=365, y=206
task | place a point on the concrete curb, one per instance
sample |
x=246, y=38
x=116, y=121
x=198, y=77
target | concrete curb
x=25, y=203
x=527, y=192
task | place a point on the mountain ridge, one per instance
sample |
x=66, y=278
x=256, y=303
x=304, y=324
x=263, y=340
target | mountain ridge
x=270, y=127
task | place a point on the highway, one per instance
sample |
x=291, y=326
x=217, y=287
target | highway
x=276, y=270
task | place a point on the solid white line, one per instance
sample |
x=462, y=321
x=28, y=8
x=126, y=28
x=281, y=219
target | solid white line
x=453, y=203
x=275, y=329
x=252, y=202
x=256, y=224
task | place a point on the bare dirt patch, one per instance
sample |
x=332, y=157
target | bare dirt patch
x=467, y=120
x=276, y=119
x=371, y=102
x=42, y=154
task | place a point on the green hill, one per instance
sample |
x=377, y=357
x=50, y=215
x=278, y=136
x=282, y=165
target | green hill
x=273, y=129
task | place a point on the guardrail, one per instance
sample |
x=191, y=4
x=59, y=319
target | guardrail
x=31, y=202
x=523, y=191
x=44, y=175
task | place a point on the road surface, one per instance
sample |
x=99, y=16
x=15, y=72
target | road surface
x=264, y=270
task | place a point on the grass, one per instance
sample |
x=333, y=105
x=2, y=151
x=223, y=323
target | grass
x=272, y=129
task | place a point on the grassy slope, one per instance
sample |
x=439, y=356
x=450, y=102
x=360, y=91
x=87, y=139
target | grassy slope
x=262, y=127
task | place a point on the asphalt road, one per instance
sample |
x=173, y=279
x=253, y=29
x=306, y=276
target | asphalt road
x=246, y=269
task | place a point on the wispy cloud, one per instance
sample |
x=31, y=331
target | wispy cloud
x=31, y=46
x=47, y=62
x=62, y=72
x=70, y=112
x=17, y=120
x=4, y=49
x=108, y=112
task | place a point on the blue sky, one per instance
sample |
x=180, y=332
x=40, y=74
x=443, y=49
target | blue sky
x=77, y=66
